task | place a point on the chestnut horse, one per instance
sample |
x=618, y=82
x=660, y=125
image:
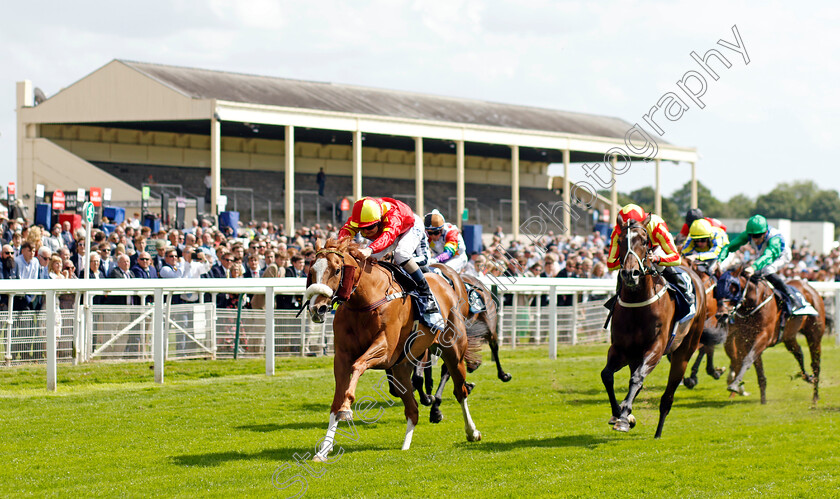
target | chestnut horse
x=714, y=333
x=375, y=327
x=755, y=319
x=642, y=323
x=482, y=325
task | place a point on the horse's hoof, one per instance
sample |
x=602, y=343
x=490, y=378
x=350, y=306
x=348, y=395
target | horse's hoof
x=319, y=458
x=737, y=389
x=505, y=377
x=470, y=387
x=622, y=425
x=632, y=420
x=344, y=416
x=426, y=400
x=475, y=436
x=690, y=382
x=613, y=420
x=716, y=373
x=435, y=416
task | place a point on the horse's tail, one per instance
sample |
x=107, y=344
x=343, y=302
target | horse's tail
x=713, y=335
x=476, y=331
x=829, y=323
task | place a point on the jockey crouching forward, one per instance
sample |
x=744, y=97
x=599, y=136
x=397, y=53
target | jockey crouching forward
x=446, y=242
x=664, y=250
x=704, y=245
x=392, y=226
x=774, y=253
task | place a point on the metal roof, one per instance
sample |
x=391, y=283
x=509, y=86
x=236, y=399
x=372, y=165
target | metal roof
x=274, y=91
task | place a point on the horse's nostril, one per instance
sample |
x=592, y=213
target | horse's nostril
x=322, y=309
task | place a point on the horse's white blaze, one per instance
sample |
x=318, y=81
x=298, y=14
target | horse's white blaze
x=329, y=440
x=409, y=432
x=319, y=267
x=469, y=426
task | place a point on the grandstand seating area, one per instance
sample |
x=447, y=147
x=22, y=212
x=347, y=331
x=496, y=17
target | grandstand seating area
x=489, y=210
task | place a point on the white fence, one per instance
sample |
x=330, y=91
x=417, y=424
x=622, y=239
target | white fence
x=529, y=314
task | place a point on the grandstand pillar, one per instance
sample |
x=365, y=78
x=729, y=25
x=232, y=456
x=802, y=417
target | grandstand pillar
x=215, y=162
x=613, y=193
x=459, y=189
x=567, y=215
x=289, y=206
x=514, y=195
x=657, y=201
x=357, y=165
x=418, y=176
x=693, y=184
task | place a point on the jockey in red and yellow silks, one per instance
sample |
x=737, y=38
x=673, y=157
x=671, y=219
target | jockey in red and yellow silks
x=658, y=236
x=392, y=227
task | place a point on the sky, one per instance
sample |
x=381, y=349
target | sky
x=769, y=121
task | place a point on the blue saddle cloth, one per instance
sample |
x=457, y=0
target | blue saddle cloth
x=681, y=305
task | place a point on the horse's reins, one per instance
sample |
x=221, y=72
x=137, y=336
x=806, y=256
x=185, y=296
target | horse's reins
x=645, y=271
x=756, y=308
x=348, y=287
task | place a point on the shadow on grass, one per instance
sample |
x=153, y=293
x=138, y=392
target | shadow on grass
x=300, y=425
x=583, y=441
x=277, y=454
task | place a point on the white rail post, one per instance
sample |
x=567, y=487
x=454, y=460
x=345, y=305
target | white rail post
x=88, y=317
x=51, y=353
x=538, y=330
x=836, y=315
x=77, y=330
x=552, y=322
x=302, y=335
x=9, y=323
x=167, y=326
x=158, y=339
x=574, y=317
x=269, y=331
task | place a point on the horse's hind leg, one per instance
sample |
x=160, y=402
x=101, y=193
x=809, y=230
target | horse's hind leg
x=711, y=370
x=402, y=382
x=793, y=347
x=762, y=379
x=453, y=357
x=691, y=381
x=492, y=338
x=814, y=336
x=417, y=380
x=679, y=361
x=435, y=416
x=615, y=361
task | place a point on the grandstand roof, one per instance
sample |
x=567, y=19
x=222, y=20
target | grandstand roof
x=274, y=91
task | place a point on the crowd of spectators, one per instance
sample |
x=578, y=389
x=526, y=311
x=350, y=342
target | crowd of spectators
x=133, y=251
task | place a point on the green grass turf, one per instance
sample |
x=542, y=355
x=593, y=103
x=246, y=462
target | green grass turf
x=223, y=429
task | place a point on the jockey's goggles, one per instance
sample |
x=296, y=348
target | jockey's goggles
x=434, y=230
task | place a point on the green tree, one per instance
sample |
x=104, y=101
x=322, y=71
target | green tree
x=739, y=206
x=708, y=203
x=824, y=207
x=791, y=201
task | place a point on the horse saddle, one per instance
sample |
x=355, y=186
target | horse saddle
x=440, y=273
x=400, y=275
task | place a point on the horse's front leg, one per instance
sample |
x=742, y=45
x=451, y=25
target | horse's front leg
x=759, y=344
x=640, y=370
x=375, y=355
x=615, y=361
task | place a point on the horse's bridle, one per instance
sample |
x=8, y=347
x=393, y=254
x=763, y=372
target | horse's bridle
x=744, y=295
x=347, y=283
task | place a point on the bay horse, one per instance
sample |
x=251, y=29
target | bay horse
x=755, y=319
x=375, y=327
x=714, y=332
x=642, y=323
x=481, y=325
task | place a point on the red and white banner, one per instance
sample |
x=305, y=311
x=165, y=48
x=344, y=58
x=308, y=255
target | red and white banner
x=96, y=196
x=58, y=200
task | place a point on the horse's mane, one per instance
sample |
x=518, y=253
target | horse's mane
x=345, y=245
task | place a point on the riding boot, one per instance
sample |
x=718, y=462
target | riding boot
x=797, y=302
x=430, y=311
x=681, y=280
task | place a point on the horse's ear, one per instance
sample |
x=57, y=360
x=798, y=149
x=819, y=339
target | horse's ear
x=318, y=246
x=737, y=271
x=646, y=221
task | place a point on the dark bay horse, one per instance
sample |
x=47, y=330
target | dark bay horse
x=755, y=319
x=714, y=332
x=482, y=325
x=641, y=328
x=375, y=328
